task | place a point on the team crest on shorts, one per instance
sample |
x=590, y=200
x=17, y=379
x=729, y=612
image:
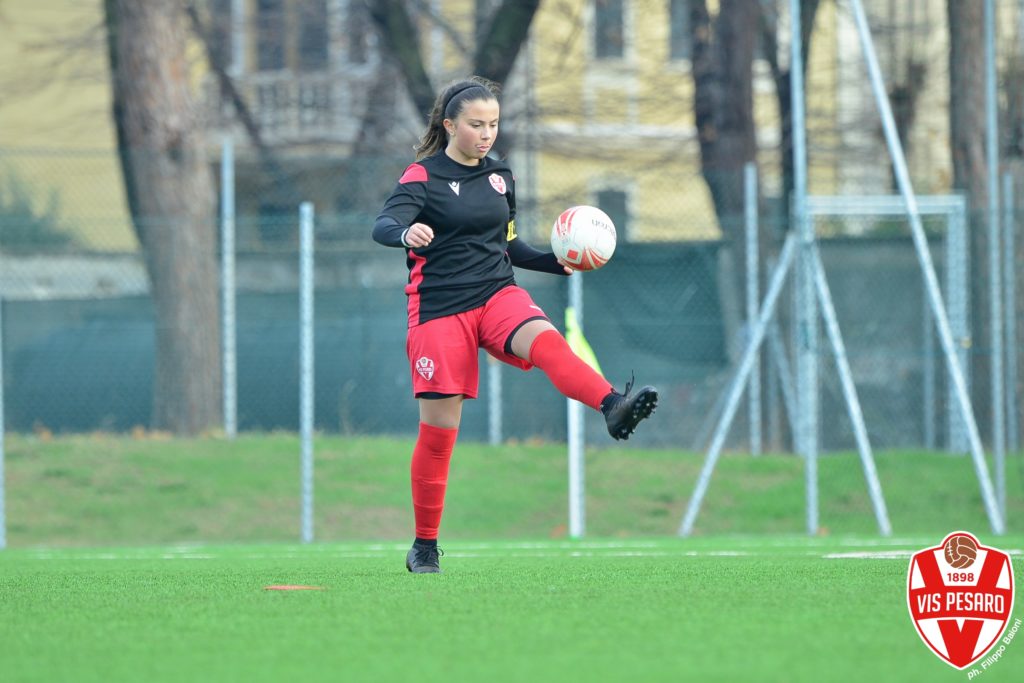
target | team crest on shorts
x=497, y=182
x=425, y=367
x=960, y=596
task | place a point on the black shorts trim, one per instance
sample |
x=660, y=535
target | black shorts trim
x=435, y=395
x=508, y=340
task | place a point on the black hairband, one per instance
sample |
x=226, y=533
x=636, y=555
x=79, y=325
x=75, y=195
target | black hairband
x=455, y=94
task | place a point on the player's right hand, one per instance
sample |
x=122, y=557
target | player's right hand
x=419, y=235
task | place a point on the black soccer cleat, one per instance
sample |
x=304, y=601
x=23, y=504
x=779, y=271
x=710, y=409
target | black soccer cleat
x=623, y=412
x=424, y=559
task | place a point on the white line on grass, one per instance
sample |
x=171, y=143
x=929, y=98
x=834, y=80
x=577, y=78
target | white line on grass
x=532, y=549
x=889, y=555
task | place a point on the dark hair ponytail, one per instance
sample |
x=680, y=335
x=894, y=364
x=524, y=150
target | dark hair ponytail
x=448, y=105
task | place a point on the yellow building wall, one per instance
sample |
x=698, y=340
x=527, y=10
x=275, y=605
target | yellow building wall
x=57, y=136
x=624, y=124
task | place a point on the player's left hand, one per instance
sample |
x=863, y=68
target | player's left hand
x=569, y=270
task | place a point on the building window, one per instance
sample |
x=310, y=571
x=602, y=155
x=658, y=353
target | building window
x=270, y=35
x=609, y=29
x=613, y=203
x=312, y=35
x=292, y=35
x=679, y=29
x=359, y=33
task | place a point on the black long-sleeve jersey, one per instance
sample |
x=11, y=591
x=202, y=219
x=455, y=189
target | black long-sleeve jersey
x=472, y=211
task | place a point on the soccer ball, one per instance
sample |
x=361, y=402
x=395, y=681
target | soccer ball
x=583, y=237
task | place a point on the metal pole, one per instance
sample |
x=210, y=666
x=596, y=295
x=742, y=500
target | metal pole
x=995, y=261
x=771, y=371
x=929, y=378
x=867, y=460
x=229, y=363
x=807, y=318
x=921, y=245
x=957, y=278
x=494, y=425
x=784, y=374
x=577, y=503
x=736, y=389
x=1010, y=301
x=306, y=364
x=754, y=386
x=3, y=482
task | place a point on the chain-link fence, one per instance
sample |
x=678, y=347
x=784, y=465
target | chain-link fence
x=80, y=327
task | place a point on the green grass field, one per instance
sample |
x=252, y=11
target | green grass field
x=147, y=560
x=730, y=609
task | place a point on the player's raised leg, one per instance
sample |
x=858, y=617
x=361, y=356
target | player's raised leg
x=540, y=343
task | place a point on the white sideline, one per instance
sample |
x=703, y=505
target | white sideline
x=877, y=548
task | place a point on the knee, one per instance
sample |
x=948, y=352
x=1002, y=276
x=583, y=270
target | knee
x=443, y=413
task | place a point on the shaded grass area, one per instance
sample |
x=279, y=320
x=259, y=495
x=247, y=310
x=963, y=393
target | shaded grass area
x=104, y=489
x=725, y=609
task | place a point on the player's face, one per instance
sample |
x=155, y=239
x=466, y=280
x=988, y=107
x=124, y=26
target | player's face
x=473, y=131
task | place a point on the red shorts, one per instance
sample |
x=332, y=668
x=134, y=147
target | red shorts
x=443, y=352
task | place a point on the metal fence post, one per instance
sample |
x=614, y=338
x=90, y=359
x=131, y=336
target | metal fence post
x=306, y=364
x=995, y=263
x=957, y=274
x=577, y=499
x=1010, y=301
x=806, y=313
x=754, y=385
x=229, y=363
x=494, y=409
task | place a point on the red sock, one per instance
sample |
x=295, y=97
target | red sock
x=429, y=472
x=567, y=371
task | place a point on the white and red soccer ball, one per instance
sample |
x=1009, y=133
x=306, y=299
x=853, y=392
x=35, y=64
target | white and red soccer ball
x=584, y=237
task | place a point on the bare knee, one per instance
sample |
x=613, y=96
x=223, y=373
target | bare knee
x=445, y=413
x=524, y=337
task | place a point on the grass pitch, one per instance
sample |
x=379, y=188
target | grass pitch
x=725, y=609
x=118, y=567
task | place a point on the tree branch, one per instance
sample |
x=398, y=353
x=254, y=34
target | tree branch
x=242, y=111
x=439, y=21
x=402, y=42
x=506, y=32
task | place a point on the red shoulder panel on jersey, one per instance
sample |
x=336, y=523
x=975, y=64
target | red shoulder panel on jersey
x=414, y=174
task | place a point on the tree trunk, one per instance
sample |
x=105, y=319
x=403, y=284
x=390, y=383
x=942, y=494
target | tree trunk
x=506, y=32
x=722, y=67
x=723, y=53
x=402, y=41
x=783, y=78
x=170, y=195
x=967, y=137
x=1017, y=166
x=1013, y=152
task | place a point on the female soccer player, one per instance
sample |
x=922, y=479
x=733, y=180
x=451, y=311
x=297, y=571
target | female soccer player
x=453, y=211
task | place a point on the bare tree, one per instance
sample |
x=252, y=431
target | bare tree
x=502, y=32
x=401, y=40
x=722, y=68
x=968, y=128
x=170, y=196
x=723, y=55
x=783, y=75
